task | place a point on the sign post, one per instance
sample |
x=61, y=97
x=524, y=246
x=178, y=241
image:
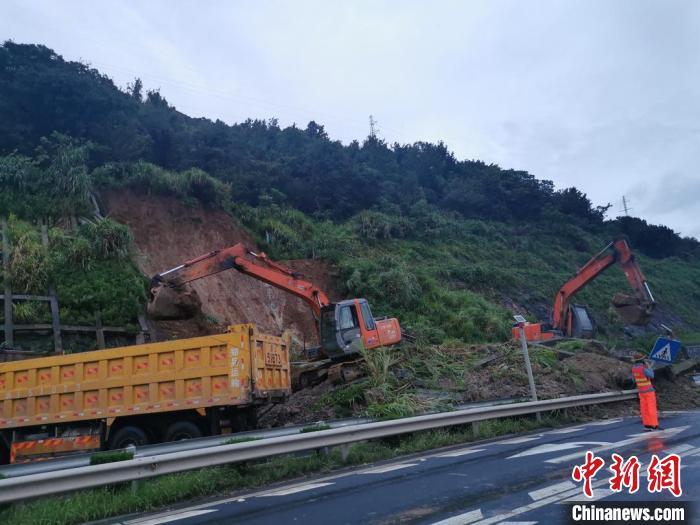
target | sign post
x=528, y=366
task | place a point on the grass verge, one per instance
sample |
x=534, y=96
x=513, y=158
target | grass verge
x=110, y=457
x=165, y=490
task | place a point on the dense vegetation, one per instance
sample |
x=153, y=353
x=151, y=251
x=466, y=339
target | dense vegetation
x=42, y=93
x=450, y=246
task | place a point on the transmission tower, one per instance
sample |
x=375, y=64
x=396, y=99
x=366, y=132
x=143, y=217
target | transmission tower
x=372, y=127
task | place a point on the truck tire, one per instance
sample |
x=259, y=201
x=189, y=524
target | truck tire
x=4, y=453
x=182, y=430
x=126, y=436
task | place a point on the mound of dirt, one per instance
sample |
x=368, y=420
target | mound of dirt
x=497, y=372
x=304, y=406
x=166, y=233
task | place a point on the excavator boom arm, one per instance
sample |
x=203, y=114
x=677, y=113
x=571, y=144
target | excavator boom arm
x=599, y=263
x=253, y=264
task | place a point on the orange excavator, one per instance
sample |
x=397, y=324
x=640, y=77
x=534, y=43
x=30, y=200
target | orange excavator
x=573, y=320
x=344, y=327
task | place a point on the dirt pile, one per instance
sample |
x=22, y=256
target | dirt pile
x=166, y=233
x=447, y=376
x=305, y=406
x=166, y=303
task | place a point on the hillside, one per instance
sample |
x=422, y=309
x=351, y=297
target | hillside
x=160, y=224
x=451, y=247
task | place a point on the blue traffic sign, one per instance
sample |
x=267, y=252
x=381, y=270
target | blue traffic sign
x=665, y=350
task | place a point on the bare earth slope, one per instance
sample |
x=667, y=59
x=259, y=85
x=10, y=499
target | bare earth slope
x=167, y=233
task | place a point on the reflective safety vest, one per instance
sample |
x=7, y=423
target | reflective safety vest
x=643, y=382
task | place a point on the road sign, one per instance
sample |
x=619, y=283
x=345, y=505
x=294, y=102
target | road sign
x=665, y=350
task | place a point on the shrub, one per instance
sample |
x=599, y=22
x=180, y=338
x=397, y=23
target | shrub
x=107, y=238
x=29, y=265
x=374, y=225
x=208, y=190
x=400, y=286
x=30, y=312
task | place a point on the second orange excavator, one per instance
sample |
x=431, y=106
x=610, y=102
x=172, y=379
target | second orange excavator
x=573, y=320
x=344, y=328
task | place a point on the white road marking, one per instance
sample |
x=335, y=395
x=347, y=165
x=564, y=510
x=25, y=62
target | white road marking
x=598, y=493
x=460, y=452
x=551, y=490
x=515, y=441
x=294, y=490
x=536, y=505
x=565, y=430
x=618, y=444
x=172, y=517
x=683, y=448
x=556, y=447
x=605, y=422
x=462, y=519
x=382, y=470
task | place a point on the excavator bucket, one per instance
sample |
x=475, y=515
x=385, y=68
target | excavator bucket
x=632, y=310
x=167, y=302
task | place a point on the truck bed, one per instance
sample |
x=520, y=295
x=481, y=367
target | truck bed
x=241, y=366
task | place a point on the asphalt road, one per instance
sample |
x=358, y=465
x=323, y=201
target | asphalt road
x=526, y=479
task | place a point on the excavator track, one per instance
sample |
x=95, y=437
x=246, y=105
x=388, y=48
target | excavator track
x=306, y=374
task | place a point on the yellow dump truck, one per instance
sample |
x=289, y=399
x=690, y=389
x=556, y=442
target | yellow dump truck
x=158, y=392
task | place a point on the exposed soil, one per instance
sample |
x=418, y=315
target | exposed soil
x=167, y=233
x=586, y=372
x=305, y=406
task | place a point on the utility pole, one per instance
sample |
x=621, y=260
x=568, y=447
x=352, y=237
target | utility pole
x=625, y=206
x=528, y=366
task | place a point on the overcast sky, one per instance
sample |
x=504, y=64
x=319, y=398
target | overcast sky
x=603, y=95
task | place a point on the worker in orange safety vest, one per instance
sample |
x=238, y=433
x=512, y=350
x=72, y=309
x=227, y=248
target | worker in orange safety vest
x=643, y=374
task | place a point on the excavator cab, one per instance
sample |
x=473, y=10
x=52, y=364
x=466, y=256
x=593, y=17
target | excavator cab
x=348, y=326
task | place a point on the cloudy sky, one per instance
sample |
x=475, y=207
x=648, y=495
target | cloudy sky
x=603, y=95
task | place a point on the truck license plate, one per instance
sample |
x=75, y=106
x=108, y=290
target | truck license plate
x=273, y=359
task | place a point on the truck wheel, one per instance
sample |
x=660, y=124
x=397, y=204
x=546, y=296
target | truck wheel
x=182, y=430
x=126, y=436
x=305, y=381
x=4, y=453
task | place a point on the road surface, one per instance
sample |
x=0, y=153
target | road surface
x=525, y=479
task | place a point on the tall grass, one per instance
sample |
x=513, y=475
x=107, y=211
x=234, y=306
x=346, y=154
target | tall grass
x=107, y=238
x=29, y=264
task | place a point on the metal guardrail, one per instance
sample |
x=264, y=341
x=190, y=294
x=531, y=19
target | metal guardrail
x=56, y=482
x=83, y=459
